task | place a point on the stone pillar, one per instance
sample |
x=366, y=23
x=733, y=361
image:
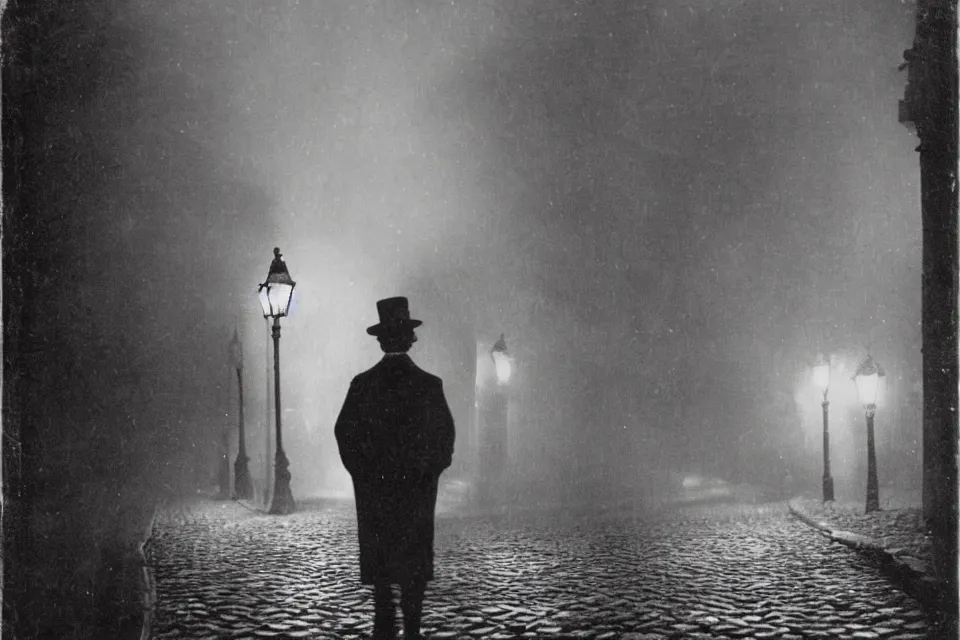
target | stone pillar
x=930, y=106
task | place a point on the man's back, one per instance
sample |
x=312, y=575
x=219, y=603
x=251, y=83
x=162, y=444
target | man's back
x=396, y=415
x=396, y=435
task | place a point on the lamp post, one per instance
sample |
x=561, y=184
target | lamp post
x=223, y=466
x=275, y=295
x=223, y=460
x=242, y=488
x=266, y=420
x=821, y=379
x=867, y=378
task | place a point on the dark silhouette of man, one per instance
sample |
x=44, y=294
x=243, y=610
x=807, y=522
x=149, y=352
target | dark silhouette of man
x=395, y=434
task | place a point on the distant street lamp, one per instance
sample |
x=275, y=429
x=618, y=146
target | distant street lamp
x=223, y=465
x=494, y=453
x=242, y=487
x=275, y=295
x=867, y=378
x=821, y=378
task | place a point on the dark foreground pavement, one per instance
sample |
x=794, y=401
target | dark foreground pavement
x=728, y=571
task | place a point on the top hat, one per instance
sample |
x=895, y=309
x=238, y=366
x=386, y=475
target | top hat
x=394, y=316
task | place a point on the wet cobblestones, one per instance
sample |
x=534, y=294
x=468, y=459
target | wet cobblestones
x=706, y=572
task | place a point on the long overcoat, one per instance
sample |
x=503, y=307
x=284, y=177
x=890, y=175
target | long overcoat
x=395, y=433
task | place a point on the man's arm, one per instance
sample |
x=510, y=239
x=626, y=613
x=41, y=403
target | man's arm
x=347, y=431
x=442, y=430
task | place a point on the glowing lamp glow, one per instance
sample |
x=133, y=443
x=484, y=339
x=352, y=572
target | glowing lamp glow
x=868, y=377
x=501, y=360
x=277, y=291
x=821, y=373
x=503, y=370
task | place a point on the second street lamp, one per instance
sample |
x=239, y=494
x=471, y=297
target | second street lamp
x=821, y=378
x=494, y=452
x=867, y=378
x=242, y=487
x=275, y=295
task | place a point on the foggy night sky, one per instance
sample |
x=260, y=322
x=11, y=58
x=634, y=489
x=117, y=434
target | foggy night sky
x=668, y=207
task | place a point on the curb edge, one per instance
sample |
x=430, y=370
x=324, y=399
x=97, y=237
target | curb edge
x=918, y=585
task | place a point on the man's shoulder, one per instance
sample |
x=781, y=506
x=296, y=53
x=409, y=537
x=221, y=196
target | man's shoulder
x=364, y=376
x=430, y=380
x=426, y=377
x=385, y=369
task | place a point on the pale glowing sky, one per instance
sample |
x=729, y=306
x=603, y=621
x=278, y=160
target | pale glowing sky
x=669, y=207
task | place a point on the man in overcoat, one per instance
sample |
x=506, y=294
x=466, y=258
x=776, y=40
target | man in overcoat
x=395, y=433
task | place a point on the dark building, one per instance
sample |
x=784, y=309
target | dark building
x=929, y=108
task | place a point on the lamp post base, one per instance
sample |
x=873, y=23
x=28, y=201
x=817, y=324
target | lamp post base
x=242, y=486
x=828, y=488
x=873, y=488
x=282, y=497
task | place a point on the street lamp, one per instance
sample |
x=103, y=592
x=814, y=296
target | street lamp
x=821, y=379
x=242, y=488
x=867, y=378
x=494, y=452
x=275, y=295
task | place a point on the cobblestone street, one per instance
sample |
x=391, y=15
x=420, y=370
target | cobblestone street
x=222, y=570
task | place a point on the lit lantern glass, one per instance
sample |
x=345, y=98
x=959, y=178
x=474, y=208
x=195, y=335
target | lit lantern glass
x=502, y=360
x=821, y=373
x=504, y=368
x=868, y=377
x=277, y=291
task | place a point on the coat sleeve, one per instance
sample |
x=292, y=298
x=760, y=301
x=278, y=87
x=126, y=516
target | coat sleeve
x=441, y=430
x=348, y=432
